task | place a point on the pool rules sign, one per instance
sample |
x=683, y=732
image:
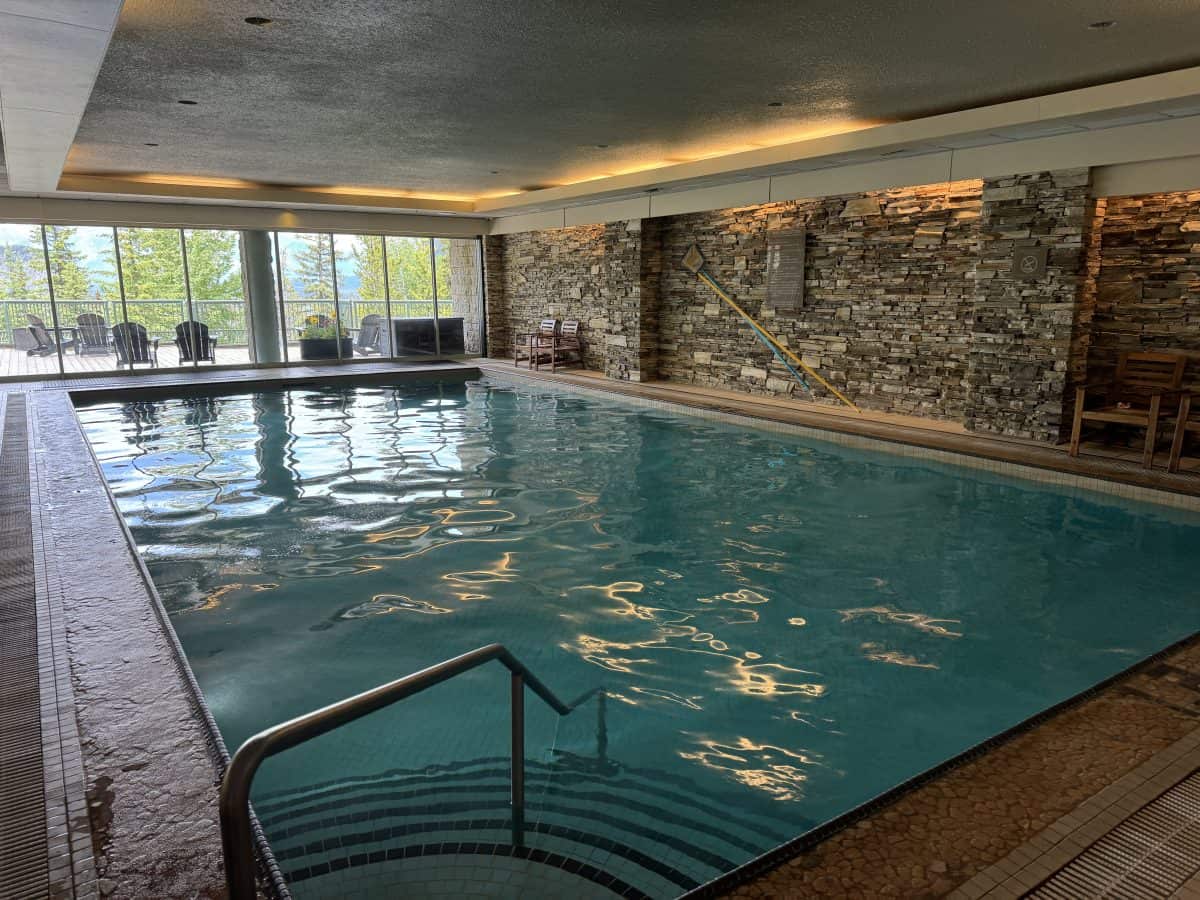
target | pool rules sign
x=785, y=270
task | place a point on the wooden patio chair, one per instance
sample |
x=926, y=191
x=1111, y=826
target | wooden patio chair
x=372, y=335
x=566, y=347
x=1184, y=425
x=134, y=345
x=1133, y=398
x=41, y=335
x=194, y=343
x=535, y=345
x=91, y=335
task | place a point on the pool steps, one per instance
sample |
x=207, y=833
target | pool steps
x=622, y=823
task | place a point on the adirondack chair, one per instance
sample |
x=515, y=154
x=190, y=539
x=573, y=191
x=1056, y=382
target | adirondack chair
x=134, y=345
x=372, y=336
x=91, y=335
x=41, y=334
x=1133, y=398
x=1184, y=425
x=566, y=347
x=194, y=343
x=535, y=345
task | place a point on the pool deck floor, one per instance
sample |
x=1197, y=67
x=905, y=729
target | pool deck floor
x=129, y=770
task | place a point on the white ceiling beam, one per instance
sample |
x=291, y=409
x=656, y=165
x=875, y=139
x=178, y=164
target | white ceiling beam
x=50, y=56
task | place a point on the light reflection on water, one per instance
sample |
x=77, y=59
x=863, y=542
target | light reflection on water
x=788, y=626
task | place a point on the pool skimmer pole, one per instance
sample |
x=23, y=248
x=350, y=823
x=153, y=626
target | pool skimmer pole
x=693, y=261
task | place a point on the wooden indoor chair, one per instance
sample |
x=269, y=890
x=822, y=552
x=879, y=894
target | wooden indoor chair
x=1184, y=425
x=535, y=345
x=567, y=347
x=1133, y=397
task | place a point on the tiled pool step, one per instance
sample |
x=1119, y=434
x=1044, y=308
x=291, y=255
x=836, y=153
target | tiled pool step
x=627, y=826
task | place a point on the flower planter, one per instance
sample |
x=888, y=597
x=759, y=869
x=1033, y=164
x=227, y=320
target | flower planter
x=325, y=348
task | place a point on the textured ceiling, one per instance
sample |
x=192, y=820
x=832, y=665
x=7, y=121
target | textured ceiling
x=433, y=96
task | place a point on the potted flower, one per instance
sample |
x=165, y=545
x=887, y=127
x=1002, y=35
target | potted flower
x=319, y=339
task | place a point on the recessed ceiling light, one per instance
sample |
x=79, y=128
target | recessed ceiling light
x=258, y=20
x=188, y=102
x=775, y=103
x=1105, y=23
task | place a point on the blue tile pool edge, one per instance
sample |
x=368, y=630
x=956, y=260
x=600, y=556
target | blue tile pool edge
x=1023, y=471
x=788, y=851
x=270, y=876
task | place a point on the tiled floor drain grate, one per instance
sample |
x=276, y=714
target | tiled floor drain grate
x=1149, y=855
x=23, y=848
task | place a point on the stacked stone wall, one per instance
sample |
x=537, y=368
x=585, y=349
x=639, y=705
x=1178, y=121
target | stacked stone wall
x=911, y=302
x=1022, y=329
x=1148, y=281
x=548, y=274
x=887, y=294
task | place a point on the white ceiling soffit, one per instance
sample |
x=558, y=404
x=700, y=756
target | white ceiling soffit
x=1157, y=176
x=50, y=55
x=978, y=137
x=36, y=210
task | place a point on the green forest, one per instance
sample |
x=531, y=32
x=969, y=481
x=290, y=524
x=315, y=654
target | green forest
x=152, y=275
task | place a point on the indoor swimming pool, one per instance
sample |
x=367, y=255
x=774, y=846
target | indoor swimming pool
x=775, y=629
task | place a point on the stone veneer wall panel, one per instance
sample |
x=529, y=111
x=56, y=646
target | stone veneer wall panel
x=1148, y=283
x=1023, y=330
x=651, y=286
x=630, y=336
x=498, y=321
x=541, y=274
x=886, y=308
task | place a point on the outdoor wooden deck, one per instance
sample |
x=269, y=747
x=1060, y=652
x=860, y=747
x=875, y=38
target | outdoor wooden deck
x=18, y=364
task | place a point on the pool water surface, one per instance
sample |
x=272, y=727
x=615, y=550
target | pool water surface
x=781, y=628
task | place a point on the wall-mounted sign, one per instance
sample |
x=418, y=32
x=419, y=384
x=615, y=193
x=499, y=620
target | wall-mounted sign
x=785, y=270
x=860, y=208
x=1029, y=262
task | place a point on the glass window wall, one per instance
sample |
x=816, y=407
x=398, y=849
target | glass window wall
x=29, y=340
x=80, y=299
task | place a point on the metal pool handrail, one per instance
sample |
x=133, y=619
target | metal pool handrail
x=236, y=828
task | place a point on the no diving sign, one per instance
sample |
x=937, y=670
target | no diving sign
x=1029, y=262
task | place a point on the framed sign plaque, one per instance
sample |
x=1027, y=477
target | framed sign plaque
x=785, y=270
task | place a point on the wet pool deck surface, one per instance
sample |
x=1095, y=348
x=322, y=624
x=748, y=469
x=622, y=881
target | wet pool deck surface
x=126, y=740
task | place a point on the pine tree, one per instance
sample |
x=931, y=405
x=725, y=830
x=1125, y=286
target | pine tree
x=68, y=270
x=214, y=271
x=151, y=263
x=410, y=272
x=17, y=281
x=368, y=260
x=313, y=268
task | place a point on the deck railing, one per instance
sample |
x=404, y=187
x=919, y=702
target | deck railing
x=228, y=318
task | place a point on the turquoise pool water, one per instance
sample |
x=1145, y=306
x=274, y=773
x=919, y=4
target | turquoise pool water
x=783, y=628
